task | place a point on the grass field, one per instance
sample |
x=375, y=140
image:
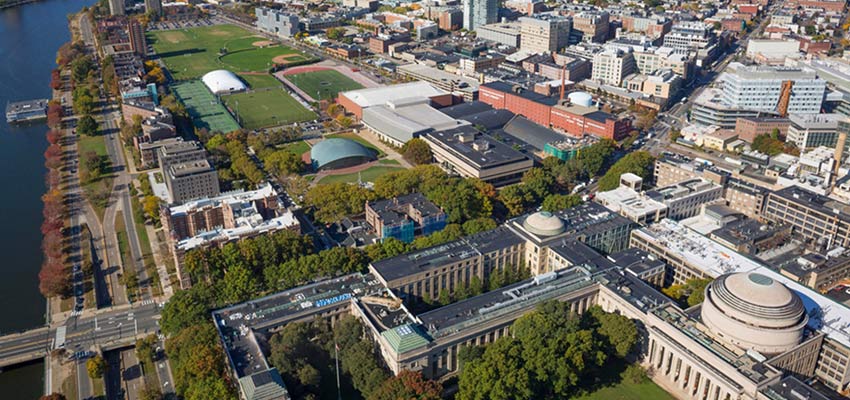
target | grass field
x=324, y=84
x=267, y=107
x=368, y=175
x=205, y=110
x=360, y=140
x=629, y=391
x=261, y=81
x=300, y=147
x=190, y=53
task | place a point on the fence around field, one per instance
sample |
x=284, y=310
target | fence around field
x=204, y=107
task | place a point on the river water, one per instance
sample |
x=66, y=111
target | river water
x=29, y=37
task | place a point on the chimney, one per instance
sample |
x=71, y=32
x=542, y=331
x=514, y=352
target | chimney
x=563, y=80
x=839, y=150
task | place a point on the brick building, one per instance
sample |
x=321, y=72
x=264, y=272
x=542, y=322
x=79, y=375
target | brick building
x=748, y=128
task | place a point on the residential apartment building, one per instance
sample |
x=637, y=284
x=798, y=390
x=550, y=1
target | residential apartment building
x=153, y=7
x=592, y=26
x=545, y=33
x=479, y=12
x=180, y=152
x=277, y=22
x=612, y=65
x=405, y=217
x=191, y=180
x=116, y=7
x=137, y=37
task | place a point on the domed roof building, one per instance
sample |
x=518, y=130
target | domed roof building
x=223, y=81
x=581, y=98
x=754, y=311
x=543, y=223
x=336, y=153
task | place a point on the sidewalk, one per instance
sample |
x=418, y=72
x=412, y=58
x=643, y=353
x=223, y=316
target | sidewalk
x=164, y=279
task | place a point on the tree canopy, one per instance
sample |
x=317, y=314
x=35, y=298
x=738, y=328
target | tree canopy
x=416, y=151
x=639, y=163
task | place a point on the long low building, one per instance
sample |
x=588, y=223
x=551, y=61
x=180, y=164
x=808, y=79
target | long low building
x=469, y=153
x=355, y=101
x=576, y=115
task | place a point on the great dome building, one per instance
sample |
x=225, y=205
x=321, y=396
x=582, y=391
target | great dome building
x=754, y=311
x=544, y=223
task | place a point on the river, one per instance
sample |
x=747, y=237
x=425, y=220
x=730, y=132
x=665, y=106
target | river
x=29, y=37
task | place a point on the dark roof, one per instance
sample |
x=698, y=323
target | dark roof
x=812, y=200
x=438, y=256
x=393, y=211
x=461, y=110
x=524, y=93
x=636, y=261
x=580, y=254
x=496, y=154
x=791, y=388
x=529, y=132
x=599, y=116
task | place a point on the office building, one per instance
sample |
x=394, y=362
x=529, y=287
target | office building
x=808, y=131
x=190, y=180
x=630, y=201
x=760, y=88
x=693, y=37
x=466, y=152
x=591, y=26
x=116, y=7
x=545, y=33
x=479, y=12
x=821, y=272
x=404, y=217
x=612, y=65
x=748, y=129
x=823, y=222
x=277, y=22
x=507, y=33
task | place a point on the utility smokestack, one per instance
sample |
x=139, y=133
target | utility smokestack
x=563, y=80
x=839, y=150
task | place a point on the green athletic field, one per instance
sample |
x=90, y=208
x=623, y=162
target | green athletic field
x=368, y=175
x=324, y=84
x=267, y=107
x=203, y=107
x=190, y=53
x=260, y=81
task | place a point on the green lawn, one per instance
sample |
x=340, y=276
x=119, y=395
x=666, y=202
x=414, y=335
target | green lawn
x=324, y=84
x=300, y=147
x=203, y=107
x=261, y=81
x=360, y=140
x=368, y=175
x=97, y=191
x=267, y=107
x=629, y=391
x=96, y=144
x=190, y=53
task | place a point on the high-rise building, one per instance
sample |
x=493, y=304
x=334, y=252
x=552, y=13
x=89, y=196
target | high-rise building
x=759, y=88
x=808, y=131
x=612, y=65
x=545, y=33
x=479, y=12
x=137, y=37
x=191, y=180
x=697, y=37
x=116, y=7
x=153, y=7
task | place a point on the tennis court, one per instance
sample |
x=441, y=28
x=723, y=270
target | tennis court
x=203, y=107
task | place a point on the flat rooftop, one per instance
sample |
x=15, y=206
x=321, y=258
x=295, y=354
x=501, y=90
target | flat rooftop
x=190, y=168
x=819, y=203
x=438, y=256
x=380, y=95
x=482, y=152
x=714, y=259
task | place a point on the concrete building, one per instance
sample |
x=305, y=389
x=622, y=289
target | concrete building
x=661, y=84
x=116, y=7
x=398, y=121
x=507, y=33
x=452, y=83
x=693, y=37
x=772, y=52
x=179, y=152
x=612, y=65
x=745, y=197
x=355, y=101
x=191, y=180
x=466, y=152
x=821, y=272
x=630, y=201
x=149, y=151
x=759, y=88
x=479, y=12
x=808, y=131
x=821, y=221
x=404, y=217
x=545, y=33
x=277, y=22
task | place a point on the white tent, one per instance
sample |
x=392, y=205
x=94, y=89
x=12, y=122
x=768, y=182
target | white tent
x=223, y=81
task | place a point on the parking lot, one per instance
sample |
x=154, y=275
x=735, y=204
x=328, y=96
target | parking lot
x=840, y=294
x=182, y=24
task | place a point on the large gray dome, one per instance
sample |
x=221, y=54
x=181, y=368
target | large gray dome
x=543, y=223
x=754, y=311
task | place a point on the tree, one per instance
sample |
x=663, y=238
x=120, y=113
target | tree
x=334, y=201
x=417, y=151
x=96, y=366
x=766, y=144
x=515, y=199
x=474, y=226
x=238, y=285
x=53, y=396
x=335, y=33
x=537, y=183
x=282, y=162
x=639, y=163
x=87, y=126
x=407, y=385
x=620, y=332
x=556, y=202
x=387, y=248
x=151, y=206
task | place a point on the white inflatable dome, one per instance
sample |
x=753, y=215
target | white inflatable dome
x=581, y=98
x=223, y=81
